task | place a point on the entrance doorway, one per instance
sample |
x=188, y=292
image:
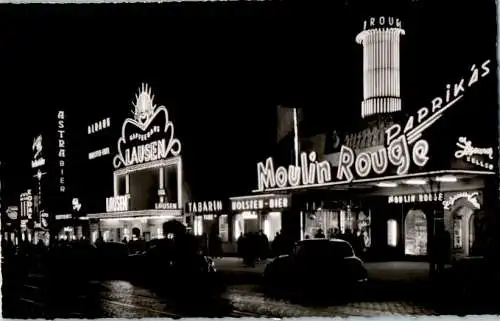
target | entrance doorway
x=415, y=233
x=464, y=230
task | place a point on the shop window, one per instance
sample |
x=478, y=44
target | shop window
x=223, y=228
x=415, y=233
x=472, y=232
x=326, y=221
x=272, y=225
x=198, y=225
x=392, y=233
x=457, y=233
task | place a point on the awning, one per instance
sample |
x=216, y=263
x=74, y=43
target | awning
x=139, y=214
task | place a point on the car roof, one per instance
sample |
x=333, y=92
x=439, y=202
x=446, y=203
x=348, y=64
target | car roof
x=324, y=240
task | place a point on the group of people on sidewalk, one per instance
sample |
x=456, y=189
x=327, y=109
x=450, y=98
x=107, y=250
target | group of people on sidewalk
x=255, y=246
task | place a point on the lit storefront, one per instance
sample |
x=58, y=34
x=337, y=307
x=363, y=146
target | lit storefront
x=147, y=180
x=251, y=214
x=394, y=182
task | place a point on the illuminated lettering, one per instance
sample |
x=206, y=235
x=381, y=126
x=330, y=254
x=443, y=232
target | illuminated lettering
x=144, y=114
x=117, y=203
x=427, y=117
x=61, y=148
x=466, y=149
x=166, y=206
x=205, y=207
x=382, y=22
x=415, y=198
x=309, y=172
x=472, y=198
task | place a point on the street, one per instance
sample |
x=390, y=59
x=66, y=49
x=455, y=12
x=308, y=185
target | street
x=393, y=289
x=242, y=296
x=123, y=299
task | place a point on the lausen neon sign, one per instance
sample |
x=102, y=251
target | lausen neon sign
x=404, y=146
x=147, y=123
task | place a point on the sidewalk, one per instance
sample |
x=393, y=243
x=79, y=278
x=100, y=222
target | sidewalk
x=379, y=271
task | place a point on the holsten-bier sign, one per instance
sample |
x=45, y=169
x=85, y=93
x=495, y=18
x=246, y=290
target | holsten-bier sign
x=403, y=148
x=149, y=136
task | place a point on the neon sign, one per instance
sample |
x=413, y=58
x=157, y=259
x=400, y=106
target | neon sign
x=26, y=200
x=37, y=148
x=467, y=151
x=166, y=206
x=62, y=149
x=98, y=126
x=415, y=198
x=403, y=146
x=205, y=207
x=425, y=116
x=98, y=153
x=117, y=203
x=12, y=212
x=471, y=198
x=148, y=136
x=278, y=202
x=382, y=22
x=309, y=172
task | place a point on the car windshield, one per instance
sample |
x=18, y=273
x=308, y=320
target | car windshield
x=324, y=249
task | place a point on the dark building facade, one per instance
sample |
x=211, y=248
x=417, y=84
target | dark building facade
x=404, y=171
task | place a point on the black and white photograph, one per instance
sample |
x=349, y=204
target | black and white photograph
x=249, y=159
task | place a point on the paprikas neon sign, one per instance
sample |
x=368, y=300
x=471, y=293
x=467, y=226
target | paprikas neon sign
x=149, y=136
x=404, y=146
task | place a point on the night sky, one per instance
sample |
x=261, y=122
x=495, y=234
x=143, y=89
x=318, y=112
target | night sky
x=220, y=68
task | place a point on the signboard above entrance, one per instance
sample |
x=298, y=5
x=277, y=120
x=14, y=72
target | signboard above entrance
x=149, y=136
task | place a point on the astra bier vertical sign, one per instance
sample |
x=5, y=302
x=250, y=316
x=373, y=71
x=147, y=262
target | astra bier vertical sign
x=61, y=148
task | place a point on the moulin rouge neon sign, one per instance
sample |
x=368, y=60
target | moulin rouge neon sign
x=404, y=146
x=149, y=136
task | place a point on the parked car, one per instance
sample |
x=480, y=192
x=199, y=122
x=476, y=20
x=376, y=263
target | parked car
x=318, y=266
x=112, y=260
x=164, y=265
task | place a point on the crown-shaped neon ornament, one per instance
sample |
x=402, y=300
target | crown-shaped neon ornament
x=144, y=106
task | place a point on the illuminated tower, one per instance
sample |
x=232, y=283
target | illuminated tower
x=381, y=66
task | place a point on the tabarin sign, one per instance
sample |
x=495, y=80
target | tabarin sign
x=149, y=136
x=205, y=207
x=117, y=203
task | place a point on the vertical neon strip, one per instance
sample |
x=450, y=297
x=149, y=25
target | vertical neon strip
x=115, y=185
x=127, y=184
x=301, y=213
x=161, y=185
x=179, y=183
x=498, y=93
x=296, y=137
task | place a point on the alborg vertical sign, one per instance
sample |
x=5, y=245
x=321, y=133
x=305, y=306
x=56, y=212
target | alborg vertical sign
x=404, y=147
